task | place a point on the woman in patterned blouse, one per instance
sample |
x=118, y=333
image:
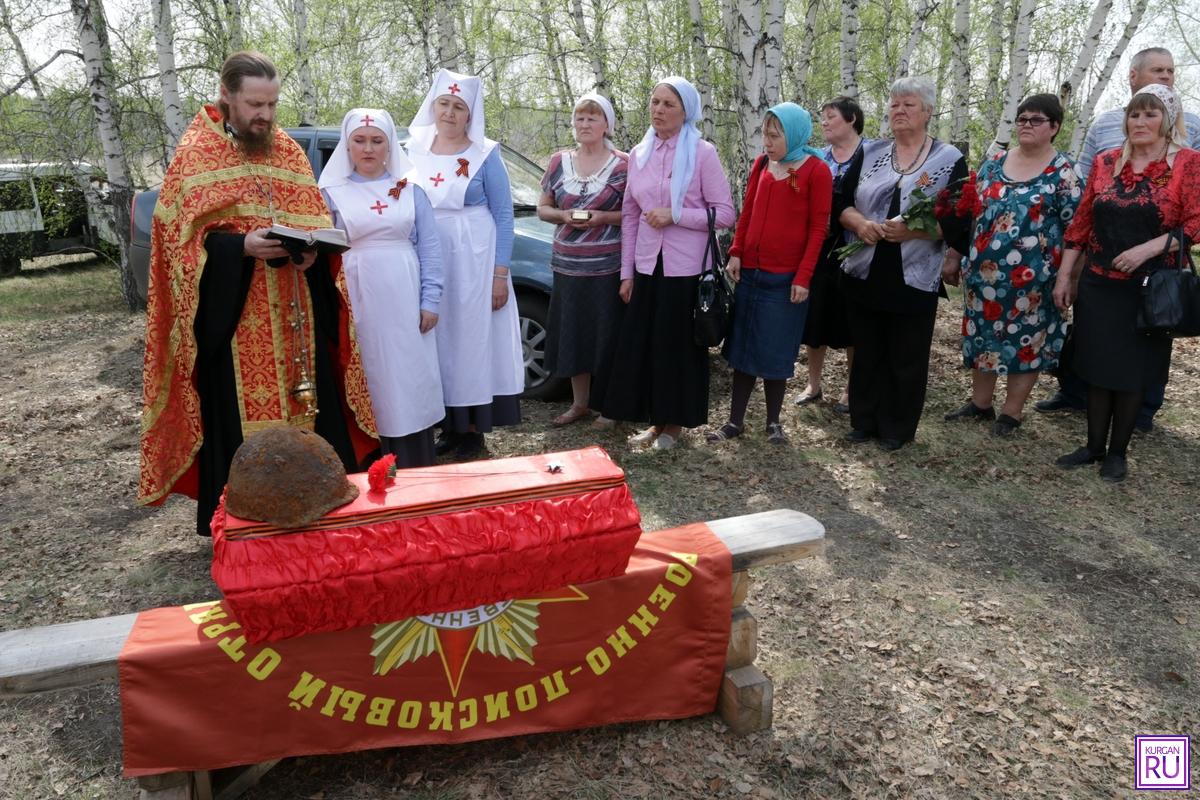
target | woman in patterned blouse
x=1139, y=198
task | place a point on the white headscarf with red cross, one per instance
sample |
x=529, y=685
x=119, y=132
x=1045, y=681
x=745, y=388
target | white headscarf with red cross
x=337, y=170
x=467, y=88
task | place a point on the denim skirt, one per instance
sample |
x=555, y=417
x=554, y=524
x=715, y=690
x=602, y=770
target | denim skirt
x=767, y=326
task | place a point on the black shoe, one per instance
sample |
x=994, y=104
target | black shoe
x=971, y=412
x=775, y=434
x=1005, y=425
x=470, y=445
x=1113, y=469
x=891, y=444
x=446, y=441
x=855, y=436
x=841, y=408
x=1143, y=427
x=1079, y=458
x=1059, y=402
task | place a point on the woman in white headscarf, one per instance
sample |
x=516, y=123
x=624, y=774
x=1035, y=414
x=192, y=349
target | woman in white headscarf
x=393, y=275
x=582, y=192
x=659, y=374
x=478, y=337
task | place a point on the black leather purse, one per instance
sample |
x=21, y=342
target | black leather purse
x=1170, y=302
x=713, y=314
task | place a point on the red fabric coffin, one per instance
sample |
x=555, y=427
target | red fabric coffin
x=438, y=539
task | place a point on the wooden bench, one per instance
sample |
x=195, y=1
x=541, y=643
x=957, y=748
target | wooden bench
x=77, y=654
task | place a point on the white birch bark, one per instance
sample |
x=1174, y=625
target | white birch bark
x=703, y=68
x=233, y=26
x=803, y=63
x=1087, y=52
x=1084, y=120
x=922, y=14
x=555, y=60
x=995, y=59
x=960, y=72
x=1018, y=70
x=755, y=31
x=444, y=11
x=92, y=30
x=590, y=50
x=308, y=90
x=849, y=63
x=174, y=120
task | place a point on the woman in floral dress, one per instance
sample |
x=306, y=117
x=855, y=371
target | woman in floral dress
x=1011, y=326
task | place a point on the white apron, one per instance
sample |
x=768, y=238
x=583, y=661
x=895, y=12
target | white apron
x=383, y=279
x=479, y=350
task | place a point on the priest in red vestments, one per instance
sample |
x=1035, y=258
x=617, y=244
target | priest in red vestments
x=238, y=336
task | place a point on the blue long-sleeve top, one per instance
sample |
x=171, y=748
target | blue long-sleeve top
x=424, y=236
x=489, y=186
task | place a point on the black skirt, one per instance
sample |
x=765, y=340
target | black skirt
x=585, y=314
x=1109, y=352
x=659, y=374
x=826, y=325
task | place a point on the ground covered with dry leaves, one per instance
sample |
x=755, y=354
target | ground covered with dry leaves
x=982, y=624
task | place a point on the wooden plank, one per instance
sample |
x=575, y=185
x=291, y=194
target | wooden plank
x=741, y=587
x=743, y=639
x=202, y=784
x=61, y=656
x=236, y=781
x=82, y=653
x=745, y=700
x=167, y=786
x=770, y=537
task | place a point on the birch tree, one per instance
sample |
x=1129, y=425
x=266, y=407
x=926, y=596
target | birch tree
x=1089, y=106
x=803, y=64
x=445, y=14
x=704, y=83
x=850, y=28
x=1018, y=70
x=960, y=72
x=174, y=120
x=233, y=26
x=754, y=29
x=1087, y=52
x=924, y=10
x=92, y=29
x=308, y=90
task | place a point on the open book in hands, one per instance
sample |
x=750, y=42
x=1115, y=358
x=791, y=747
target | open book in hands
x=296, y=241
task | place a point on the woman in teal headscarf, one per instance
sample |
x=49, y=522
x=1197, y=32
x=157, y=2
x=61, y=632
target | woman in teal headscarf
x=785, y=214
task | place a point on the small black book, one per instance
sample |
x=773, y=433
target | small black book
x=324, y=240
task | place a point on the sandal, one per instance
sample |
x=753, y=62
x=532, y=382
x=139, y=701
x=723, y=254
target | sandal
x=775, y=434
x=726, y=431
x=805, y=398
x=572, y=414
x=644, y=438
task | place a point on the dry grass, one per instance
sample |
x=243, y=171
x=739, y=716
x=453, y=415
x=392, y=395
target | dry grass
x=982, y=625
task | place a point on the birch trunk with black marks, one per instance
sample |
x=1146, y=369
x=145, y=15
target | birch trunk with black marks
x=960, y=73
x=849, y=64
x=923, y=13
x=995, y=62
x=92, y=31
x=1018, y=71
x=445, y=14
x=1087, y=52
x=704, y=83
x=1089, y=106
x=233, y=26
x=308, y=90
x=174, y=120
x=755, y=32
x=803, y=63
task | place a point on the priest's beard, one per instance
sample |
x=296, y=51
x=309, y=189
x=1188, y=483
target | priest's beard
x=253, y=140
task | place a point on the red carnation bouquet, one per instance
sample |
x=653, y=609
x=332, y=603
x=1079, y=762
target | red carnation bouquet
x=959, y=200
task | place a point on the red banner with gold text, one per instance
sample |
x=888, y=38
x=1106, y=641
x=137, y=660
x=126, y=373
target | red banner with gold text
x=649, y=644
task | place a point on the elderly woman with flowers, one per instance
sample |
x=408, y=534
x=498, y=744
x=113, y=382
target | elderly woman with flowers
x=1026, y=198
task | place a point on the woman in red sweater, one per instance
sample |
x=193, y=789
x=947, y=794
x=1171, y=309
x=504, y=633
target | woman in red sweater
x=784, y=218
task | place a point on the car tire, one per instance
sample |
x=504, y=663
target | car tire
x=533, y=311
x=9, y=265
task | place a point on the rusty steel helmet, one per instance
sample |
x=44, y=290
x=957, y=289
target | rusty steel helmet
x=286, y=476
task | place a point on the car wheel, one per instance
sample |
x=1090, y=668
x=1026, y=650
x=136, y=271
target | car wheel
x=9, y=265
x=534, y=313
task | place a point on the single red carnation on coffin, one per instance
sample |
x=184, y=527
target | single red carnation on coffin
x=440, y=539
x=381, y=472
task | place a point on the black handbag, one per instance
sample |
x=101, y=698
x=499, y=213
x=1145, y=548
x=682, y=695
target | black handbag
x=1170, y=301
x=713, y=314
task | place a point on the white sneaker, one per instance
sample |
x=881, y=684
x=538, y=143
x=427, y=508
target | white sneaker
x=644, y=438
x=665, y=441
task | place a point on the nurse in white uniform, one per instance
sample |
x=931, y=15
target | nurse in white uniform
x=478, y=336
x=393, y=274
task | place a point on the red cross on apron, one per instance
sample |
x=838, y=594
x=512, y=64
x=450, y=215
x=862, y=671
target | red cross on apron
x=437, y=179
x=378, y=207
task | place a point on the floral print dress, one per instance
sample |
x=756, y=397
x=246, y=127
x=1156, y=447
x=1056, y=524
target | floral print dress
x=1010, y=323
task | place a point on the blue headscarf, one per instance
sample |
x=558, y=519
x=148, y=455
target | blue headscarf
x=797, y=130
x=685, y=148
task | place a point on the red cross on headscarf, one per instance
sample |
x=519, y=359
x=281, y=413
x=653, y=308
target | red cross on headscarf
x=437, y=179
x=454, y=89
x=378, y=207
x=366, y=120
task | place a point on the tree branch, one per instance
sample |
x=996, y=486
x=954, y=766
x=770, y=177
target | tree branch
x=33, y=73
